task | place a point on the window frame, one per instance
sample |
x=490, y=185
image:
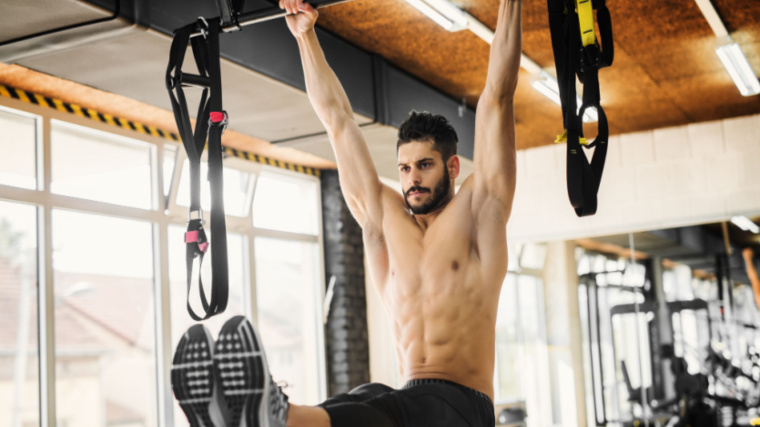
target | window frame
x=164, y=212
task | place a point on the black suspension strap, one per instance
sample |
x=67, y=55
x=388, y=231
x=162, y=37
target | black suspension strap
x=211, y=122
x=578, y=52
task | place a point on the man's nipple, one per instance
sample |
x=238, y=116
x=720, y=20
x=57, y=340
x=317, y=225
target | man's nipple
x=455, y=266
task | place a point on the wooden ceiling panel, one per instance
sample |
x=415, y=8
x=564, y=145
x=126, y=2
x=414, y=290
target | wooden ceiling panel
x=719, y=97
x=666, y=72
x=453, y=62
x=648, y=25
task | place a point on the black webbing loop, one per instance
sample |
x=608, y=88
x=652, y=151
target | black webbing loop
x=571, y=58
x=211, y=121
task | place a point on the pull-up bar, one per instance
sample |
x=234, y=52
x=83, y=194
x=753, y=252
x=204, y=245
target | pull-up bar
x=262, y=15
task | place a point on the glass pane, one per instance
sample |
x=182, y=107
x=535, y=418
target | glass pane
x=100, y=166
x=104, y=321
x=170, y=157
x=19, y=375
x=288, y=296
x=533, y=256
x=18, y=142
x=509, y=359
x=238, y=285
x=236, y=184
x=286, y=203
x=534, y=372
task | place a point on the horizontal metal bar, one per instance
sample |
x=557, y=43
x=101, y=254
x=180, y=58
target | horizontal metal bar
x=263, y=15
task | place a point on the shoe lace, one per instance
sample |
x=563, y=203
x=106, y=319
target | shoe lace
x=278, y=401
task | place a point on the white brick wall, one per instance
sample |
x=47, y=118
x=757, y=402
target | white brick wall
x=664, y=178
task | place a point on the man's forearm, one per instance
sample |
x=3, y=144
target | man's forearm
x=322, y=85
x=506, y=50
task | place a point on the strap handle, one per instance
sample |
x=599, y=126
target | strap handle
x=207, y=59
x=577, y=52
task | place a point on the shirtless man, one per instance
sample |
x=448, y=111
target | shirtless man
x=437, y=259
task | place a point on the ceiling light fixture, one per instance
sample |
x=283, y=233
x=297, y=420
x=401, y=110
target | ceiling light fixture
x=443, y=13
x=738, y=68
x=730, y=53
x=547, y=85
x=745, y=224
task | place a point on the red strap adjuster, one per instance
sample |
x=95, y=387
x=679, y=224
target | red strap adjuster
x=218, y=116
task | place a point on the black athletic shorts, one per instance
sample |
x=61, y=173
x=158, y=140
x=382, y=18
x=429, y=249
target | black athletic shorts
x=420, y=403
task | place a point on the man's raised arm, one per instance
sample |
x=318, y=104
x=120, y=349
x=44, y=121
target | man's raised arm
x=495, y=154
x=358, y=177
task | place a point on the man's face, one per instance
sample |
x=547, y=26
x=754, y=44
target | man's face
x=424, y=177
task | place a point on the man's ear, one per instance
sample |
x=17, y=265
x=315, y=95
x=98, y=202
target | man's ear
x=453, y=165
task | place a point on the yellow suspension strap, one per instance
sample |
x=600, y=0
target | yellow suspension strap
x=577, y=52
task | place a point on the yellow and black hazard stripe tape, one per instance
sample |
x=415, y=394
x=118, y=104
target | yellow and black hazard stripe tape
x=65, y=107
x=271, y=162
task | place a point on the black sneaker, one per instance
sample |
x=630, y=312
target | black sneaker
x=253, y=400
x=193, y=378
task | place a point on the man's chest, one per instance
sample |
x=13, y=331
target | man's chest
x=445, y=247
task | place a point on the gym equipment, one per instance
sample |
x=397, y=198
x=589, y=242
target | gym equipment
x=578, y=52
x=211, y=121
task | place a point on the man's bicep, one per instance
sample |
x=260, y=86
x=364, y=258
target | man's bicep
x=359, y=181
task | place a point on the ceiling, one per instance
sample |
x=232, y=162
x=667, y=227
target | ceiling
x=666, y=72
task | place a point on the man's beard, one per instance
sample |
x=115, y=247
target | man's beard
x=439, y=195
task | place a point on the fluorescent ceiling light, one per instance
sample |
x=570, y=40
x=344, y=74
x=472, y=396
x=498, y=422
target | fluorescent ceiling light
x=739, y=69
x=443, y=13
x=745, y=224
x=479, y=29
x=450, y=11
x=548, y=87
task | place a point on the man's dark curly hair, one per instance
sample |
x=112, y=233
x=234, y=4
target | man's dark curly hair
x=423, y=126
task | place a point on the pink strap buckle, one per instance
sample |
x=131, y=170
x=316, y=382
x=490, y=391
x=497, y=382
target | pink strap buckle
x=191, y=237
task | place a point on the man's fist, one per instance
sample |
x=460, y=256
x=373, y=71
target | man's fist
x=301, y=16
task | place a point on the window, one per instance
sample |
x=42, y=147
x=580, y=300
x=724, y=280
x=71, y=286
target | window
x=287, y=275
x=19, y=379
x=18, y=143
x=170, y=159
x=286, y=204
x=522, y=364
x=237, y=188
x=100, y=166
x=104, y=320
x=107, y=296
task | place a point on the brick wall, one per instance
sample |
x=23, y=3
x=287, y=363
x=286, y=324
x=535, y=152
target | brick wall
x=668, y=177
x=346, y=336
